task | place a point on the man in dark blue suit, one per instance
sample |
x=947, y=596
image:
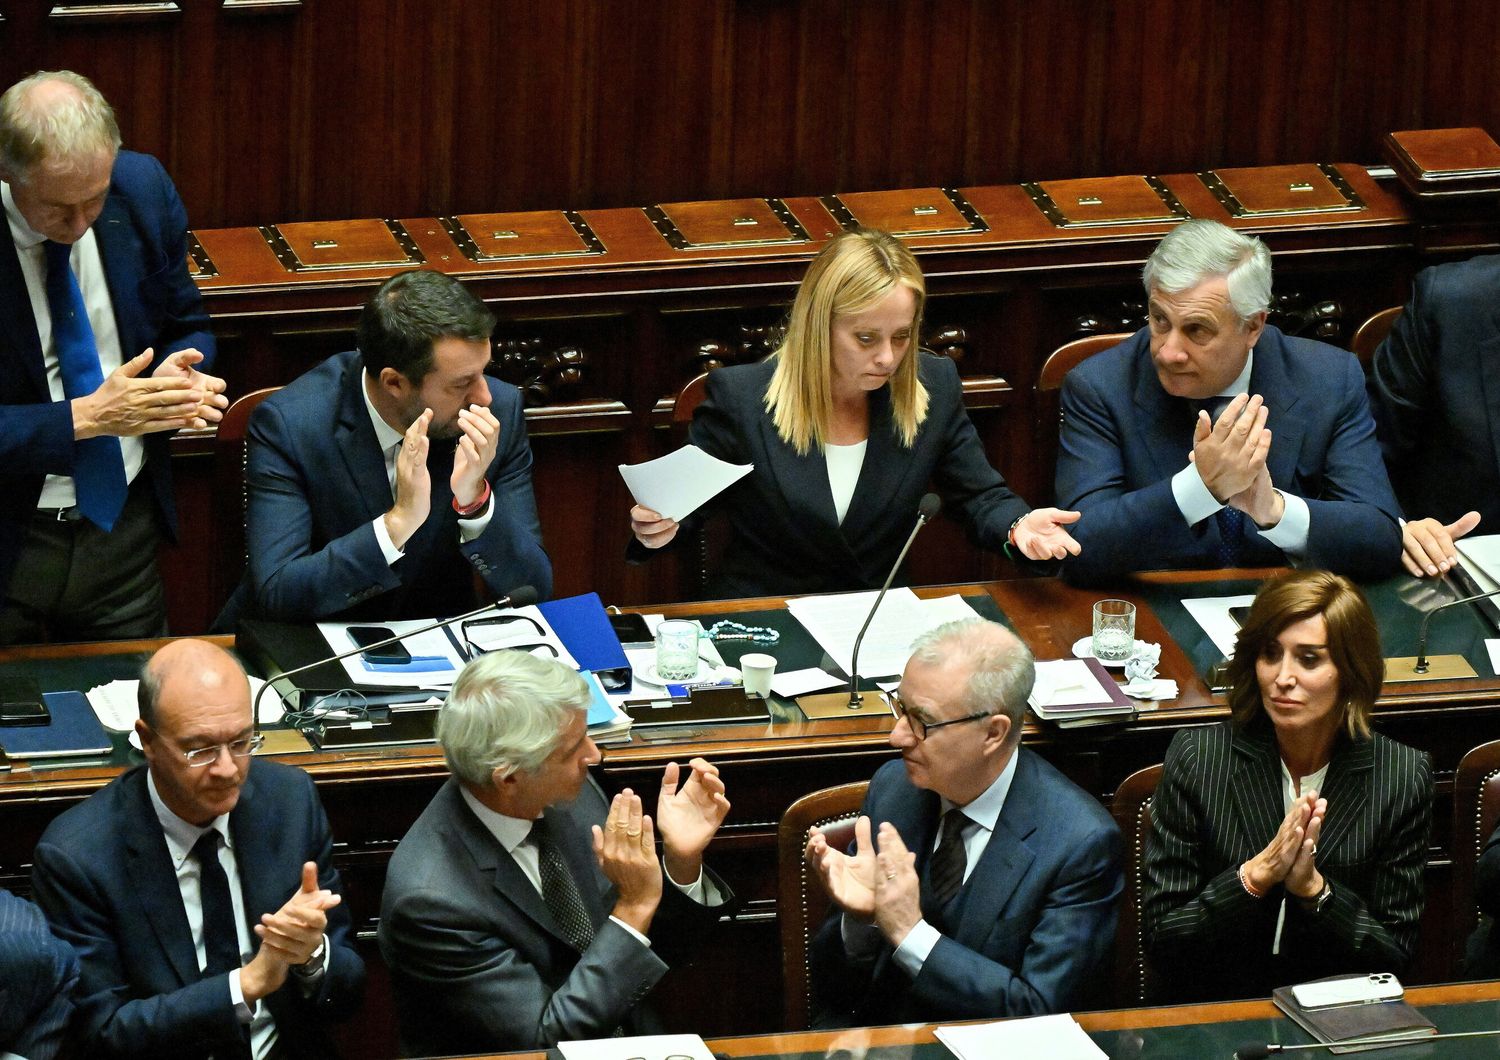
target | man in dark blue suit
x=382, y=480
x=199, y=893
x=1435, y=387
x=104, y=352
x=1210, y=439
x=37, y=976
x=989, y=886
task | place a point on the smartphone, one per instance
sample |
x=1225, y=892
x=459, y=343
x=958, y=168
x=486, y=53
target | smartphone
x=631, y=628
x=21, y=702
x=390, y=655
x=1350, y=990
x=1240, y=615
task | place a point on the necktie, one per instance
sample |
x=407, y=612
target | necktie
x=98, y=468
x=946, y=873
x=221, y=944
x=560, y=890
x=1231, y=521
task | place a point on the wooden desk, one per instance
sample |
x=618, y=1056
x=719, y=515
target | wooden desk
x=372, y=797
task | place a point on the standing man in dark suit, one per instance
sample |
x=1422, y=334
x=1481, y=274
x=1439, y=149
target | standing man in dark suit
x=1435, y=387
x=104, y=350
x=1210, y=439
x=199, y=893
x=988, y=887
x=37, y=975
x=384, y=478
x=501, y=927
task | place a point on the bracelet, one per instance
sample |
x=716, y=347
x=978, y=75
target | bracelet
x=1010, y=535
x=478, y=505
x=724, y=629
x=1245, y=883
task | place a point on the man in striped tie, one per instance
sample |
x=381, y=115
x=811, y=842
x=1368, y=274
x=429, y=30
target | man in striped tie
x=981, y=882
x=105, y=351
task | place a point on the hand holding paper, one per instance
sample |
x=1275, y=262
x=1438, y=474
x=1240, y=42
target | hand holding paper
x=678, y=484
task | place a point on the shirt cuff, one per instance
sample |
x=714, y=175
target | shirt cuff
x=1193, y=499
x=244, y=1011
x=388, y=548
x=915, y=948
x=1290, y=535
x=861, y=940
x=471, y=529
x=702, y=890
x=644, y=941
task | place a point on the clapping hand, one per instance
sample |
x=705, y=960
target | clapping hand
x=626, y=850
x=689, y=815
x=848, y=879
x=288, y=936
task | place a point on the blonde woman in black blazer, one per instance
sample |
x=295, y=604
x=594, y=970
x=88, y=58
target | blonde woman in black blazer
x=1249, y=886
x=848, y=375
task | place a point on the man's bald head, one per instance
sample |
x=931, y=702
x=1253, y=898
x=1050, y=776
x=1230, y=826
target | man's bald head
x=54, y=121
x=186, y=671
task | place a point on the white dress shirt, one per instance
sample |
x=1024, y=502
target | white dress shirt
x=390, y=441
x=1196, y=502
x=844, y=464
x=57, y=490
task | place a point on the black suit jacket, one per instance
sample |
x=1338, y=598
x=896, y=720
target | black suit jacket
x=1435, y=388
x=142, y=237
x=786, y=538
x=104, y=877
x=1219, y=803
x=1482, y=959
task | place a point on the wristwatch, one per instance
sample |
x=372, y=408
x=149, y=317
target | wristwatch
x=1316, y=903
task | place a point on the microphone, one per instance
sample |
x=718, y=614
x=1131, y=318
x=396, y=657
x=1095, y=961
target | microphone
x=1262, y=1050
x=929, y=506
x=523, y=596
x=1421, y=666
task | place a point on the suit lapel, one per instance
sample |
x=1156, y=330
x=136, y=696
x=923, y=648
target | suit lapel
x=123, y=257
x=803, y=482
x=252, y=825
x=1487, y=368
x=1006, y=858
x=18, y=336
x=1256, y=786
x=880, y=476
x=354, y=437
x=511, y=884
x=149, y=867
x=1166, y=421
x=1270, y=378
x=1344, y=787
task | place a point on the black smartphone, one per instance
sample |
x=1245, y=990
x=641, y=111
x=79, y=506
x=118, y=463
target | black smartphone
x=1240, y=615
x=631, y=628
x=393, y=654
x=21, y=701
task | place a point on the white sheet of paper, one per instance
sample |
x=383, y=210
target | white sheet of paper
x=1494, y=650
x=1065, y=682
x=1212, y=613
x=117, y=707
x=1055, y=1037
x=434, y=643
x=1481, y=558
x=678, y=484
x=834, y=622
x=799, y=682
x=644, y=1045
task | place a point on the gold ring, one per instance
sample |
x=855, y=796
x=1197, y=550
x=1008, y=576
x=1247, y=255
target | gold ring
x=633, y=833
x=890, y=875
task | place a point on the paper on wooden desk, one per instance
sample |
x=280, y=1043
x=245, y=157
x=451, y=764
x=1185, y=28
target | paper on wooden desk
x=1212, y=613
x=834, y=622
x=678, y=484
x=652, y=1045
x=1055, y=1037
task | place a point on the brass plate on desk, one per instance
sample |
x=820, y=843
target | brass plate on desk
x=522, y=236
x=1282, y=191
x=910, y=212
x=1097, y=202
x=200, y=265
x=726, y=223
x=315, y=246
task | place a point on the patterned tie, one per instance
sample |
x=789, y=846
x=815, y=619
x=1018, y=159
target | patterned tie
x=560, y=890
x=98, y=468
x=945, y=875
x=1231, y=521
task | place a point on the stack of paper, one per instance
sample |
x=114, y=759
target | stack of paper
x=1055, y=1037
x=1069, y=691
x=678, y=484
x=834, y=622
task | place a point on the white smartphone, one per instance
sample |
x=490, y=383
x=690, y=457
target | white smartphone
x=1351, y=990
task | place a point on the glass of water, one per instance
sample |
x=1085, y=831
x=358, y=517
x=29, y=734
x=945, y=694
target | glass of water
x=677, y=649
x=1114, y=630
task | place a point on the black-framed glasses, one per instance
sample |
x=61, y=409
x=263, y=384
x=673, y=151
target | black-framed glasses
x=202, y=757
x=510, y=625
x=920, y=728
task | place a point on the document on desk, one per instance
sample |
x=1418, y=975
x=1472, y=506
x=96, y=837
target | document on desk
x=834, y=622
x=1212, y=613
x=678, y=484
x=1055, y=1037
x=117, y=706
x=1481, y=558
x=685, y=1045
x=435, y=659
x=522, y=628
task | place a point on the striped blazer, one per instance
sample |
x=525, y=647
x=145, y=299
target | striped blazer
x=1219, y=803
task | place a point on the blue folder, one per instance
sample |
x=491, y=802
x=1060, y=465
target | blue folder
x=74, y=731
x=582, y=624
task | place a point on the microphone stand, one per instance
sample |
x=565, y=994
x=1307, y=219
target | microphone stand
x=1439, y=667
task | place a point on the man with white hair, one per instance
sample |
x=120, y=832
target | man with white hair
x=105, y=350
x=504, y=924
x=982, y=882
x=1210, y=439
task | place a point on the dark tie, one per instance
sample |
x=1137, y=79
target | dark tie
x=98, y=468
x=221, y=942
x=560, y=889
x=1231, y=520
x=946, y=873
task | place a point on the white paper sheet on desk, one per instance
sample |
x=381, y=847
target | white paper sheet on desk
x=645, y=1045
x=1493, y=646
x=795, y=683
x=1212, y=613
x=678, y=484
x=117, y=707
x=1481, y=558
x=1066, y=682
x=432, y=644
x=1055, y=1037
x=834, y=623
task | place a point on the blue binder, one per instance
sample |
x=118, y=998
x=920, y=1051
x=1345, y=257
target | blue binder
x=581, y=623
x=73, y=732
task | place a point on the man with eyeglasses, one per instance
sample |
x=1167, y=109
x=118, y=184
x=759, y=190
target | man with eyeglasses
x=981, y=882
x=199, y=893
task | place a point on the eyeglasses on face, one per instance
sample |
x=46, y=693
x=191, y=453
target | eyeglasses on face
x=920, y=728
x=244, y=747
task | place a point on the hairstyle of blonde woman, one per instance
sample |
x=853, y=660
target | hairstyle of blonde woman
x=1353, y=643
x=851, y=274
x=67, y=126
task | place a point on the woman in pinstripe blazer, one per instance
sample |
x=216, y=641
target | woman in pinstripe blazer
x=1289, y=843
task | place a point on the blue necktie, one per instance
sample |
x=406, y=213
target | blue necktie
x=1231, y=520
x=98, y=468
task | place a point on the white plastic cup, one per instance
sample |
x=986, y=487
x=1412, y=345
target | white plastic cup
x=757, y=670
